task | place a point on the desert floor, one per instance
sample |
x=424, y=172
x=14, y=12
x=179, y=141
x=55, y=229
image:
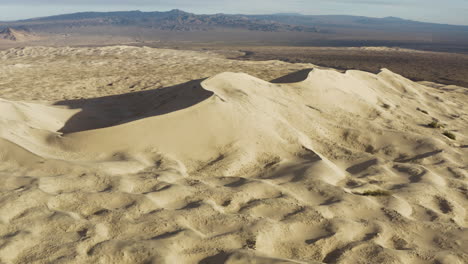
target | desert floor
x=448, y=68
x=141, y=155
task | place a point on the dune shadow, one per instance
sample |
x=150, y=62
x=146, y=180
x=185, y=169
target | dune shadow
x=219, y=258
x=294, y=77
x=420, y=156
x=312, y=241
x=114, y=110
x=297, y=171
x=167, y=235
x=358, y=168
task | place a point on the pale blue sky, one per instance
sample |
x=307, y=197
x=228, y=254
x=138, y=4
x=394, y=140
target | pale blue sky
x=447, y=11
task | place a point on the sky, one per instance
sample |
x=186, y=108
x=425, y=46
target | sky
x=438, y=11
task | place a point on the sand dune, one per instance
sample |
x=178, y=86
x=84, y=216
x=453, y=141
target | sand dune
x=317, y=166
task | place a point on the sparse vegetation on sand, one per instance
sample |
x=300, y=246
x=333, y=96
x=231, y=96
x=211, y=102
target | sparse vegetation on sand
x=292, y=163
x=374, y=193
x=422, y=111
x=435, y=124
x=449, y=135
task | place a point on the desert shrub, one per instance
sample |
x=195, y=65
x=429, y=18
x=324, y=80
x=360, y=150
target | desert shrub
x=374, y=193
x=422, y=110
x=435, y=124
x=450, y=135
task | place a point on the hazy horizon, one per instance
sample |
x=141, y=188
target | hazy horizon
x=453, y=12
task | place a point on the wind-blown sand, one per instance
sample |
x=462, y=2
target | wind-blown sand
x=315, y=167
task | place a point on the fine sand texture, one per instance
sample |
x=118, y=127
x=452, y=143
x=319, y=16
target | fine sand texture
x=141, y=155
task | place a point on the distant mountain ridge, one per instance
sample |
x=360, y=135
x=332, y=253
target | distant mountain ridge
x=174, y=20
x=91, y=28
x=178, y=20
x=346, y=21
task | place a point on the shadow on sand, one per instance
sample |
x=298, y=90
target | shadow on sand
x=294, y=77
x=113, y=110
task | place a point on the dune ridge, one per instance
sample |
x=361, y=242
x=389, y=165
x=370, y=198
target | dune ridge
x=316, y=167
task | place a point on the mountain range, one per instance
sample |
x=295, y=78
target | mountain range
x=174, y=20
x=102, y=28
x=178, y=20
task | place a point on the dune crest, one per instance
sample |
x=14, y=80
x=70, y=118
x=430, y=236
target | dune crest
x=330, y=168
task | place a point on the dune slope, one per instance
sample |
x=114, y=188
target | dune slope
x=328, y=168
